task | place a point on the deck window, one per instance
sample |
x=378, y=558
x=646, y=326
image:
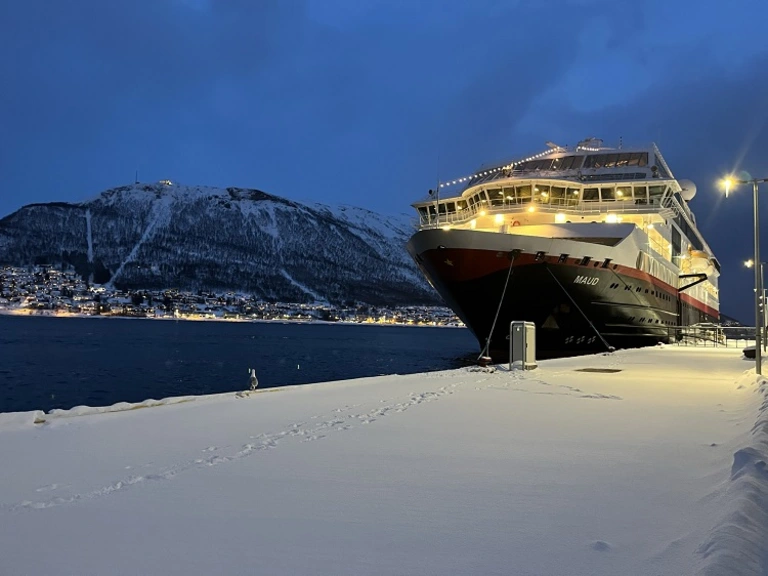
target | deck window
x=641, y=194
x=608, y=194
x=541, y=194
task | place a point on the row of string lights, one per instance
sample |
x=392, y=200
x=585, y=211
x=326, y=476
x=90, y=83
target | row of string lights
x=513, y=164
x=500, y=168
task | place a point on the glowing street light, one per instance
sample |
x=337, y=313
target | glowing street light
x=727, y=184
x=730, y=182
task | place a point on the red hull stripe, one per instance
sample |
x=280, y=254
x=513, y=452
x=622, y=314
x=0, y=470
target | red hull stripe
x=462, y=264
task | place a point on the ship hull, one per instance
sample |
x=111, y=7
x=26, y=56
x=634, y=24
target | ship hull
x=577, y=307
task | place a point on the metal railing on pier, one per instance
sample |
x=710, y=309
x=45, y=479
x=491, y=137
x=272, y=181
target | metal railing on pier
x=712, y=335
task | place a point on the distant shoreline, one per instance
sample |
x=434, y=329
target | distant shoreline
x=24, y=313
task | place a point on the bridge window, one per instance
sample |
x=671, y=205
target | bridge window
x=591, y=195
x=617, y=160
x=496, y=196
x=624, y=193
x=523, y=193
x=541, y=194
x=641, y=194
x=608, y=194
x=557, y=195
x=655, y=193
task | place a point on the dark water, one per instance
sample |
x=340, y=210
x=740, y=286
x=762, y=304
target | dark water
x=50, y=363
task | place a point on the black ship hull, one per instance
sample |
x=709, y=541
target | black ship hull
x=577, y=307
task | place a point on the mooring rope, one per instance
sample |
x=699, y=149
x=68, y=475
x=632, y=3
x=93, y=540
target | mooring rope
x=485, y=350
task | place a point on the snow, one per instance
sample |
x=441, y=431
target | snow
x=161, y=214
x=89, y=236
x=390, y=227
x=656, y=469
x=318, y=298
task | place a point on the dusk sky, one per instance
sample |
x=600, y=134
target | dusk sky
x=365, y=103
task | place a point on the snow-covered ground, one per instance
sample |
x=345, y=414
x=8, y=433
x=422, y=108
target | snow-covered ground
x=658, y=469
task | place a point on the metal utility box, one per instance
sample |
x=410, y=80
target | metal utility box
x=522, y=345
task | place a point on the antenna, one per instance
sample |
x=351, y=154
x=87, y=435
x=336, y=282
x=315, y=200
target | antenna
x=136, y=181
x=621, y=142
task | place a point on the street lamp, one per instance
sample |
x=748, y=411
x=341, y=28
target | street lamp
x=731, y=182
x=749, y=263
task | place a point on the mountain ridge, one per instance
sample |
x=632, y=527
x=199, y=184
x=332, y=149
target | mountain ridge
x=200, y=237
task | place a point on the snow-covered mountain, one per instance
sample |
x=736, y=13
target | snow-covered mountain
x=195, y=237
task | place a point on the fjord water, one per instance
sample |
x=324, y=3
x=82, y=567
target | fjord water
x=48, y=363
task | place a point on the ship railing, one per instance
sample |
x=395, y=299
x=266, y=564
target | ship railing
x=710, y=335
x=565, y=206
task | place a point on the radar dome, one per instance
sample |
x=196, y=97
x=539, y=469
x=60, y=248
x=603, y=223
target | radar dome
x=688, y=189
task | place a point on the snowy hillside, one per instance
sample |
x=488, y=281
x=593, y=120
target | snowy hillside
x=191, y=237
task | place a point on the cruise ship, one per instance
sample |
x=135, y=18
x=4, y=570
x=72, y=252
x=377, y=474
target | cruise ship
x=596, y=245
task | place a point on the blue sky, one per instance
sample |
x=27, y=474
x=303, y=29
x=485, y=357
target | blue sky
x=365, y=103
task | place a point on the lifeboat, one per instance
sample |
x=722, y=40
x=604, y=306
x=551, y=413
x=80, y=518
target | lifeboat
x=701, y=262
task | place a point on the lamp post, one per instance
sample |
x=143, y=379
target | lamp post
x=749, y=263
x=730, y=182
